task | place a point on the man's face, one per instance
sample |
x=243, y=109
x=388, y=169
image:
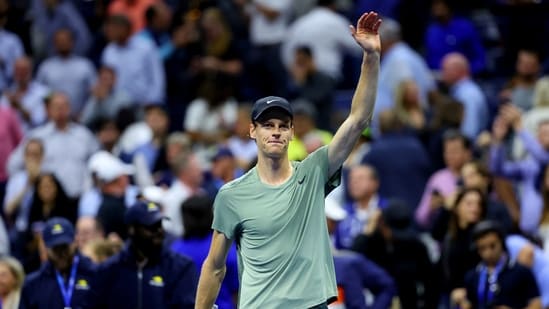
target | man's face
x=527, y=64
x=61, y=256
x=362, y=183
x=149, y=239
x=272, y=136
x=63, y=42
x=33, y=152
x=157, y=120
x=455, y=154
x=59, y=109
x=489, y=248
x=22, y=71
x=472, y=178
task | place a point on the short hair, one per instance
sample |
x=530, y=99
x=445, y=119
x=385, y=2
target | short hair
x=150, y=13
x=454, y=134
x=390, y=30
x=325, y=2
x=197, y=214
x=304, y=49
x=120, y=20
x=36, y=141
x=179, y=138
x=486, y=227
x=181, y=162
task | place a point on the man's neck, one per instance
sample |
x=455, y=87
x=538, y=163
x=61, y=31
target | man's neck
x=274, y=171
x=364, y=202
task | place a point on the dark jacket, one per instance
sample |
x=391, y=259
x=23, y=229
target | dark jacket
x=41, y=289
x=166, y=281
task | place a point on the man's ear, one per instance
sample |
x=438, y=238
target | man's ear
x=252, y=130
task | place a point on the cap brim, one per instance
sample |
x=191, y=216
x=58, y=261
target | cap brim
x=59, y=240
x=280, y=105
x=152, y=220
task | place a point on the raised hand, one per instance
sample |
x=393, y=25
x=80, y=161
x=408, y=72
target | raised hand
x=366, y=32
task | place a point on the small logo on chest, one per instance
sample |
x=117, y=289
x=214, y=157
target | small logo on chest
x=300, y=181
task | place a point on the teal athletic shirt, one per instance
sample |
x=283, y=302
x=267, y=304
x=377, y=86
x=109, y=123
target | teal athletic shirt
x=284, y=252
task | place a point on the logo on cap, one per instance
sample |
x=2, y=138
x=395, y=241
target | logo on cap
x=157, y=281
x=270, y=101
x=152, y=207
x=57, y=229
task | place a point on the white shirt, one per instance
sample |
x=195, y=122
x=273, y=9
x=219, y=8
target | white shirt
x=16, y=184
x=242, y=149
x=11, y=49
x=327, y=34
x=139, y=70
x=73, y=75
x=264, y=31
x=199, y=116
x=174, y=197
x=33, y=102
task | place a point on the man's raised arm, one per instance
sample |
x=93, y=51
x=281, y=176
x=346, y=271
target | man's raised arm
x=362, y=106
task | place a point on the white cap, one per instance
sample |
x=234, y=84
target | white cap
x=108, y=167
x=154, y=194
x=333, y=210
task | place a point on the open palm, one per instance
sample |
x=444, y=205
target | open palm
x=366, y=32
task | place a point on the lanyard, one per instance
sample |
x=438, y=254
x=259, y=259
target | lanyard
x=492, y=283
x=66, y=291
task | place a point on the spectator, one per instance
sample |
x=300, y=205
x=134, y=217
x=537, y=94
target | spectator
x=11, y=49
x=456, y=75
x=304, y=125
x=135, y=60
x=133, y=10
x=50, y=200
x=66, y=279
x=390, y=241
x=514, y=285
x=197, y=214
x=448, y=33
x=176, y=144
x=356, y=276
x=100, y=250
x=88, y=230
x=328, y=54
x=309, y=84
x=12, y=277
x=363, y=185
x=240, y=143
x=188, y=182
x=400, y=62
x=543, y=228
x=408, y=106
x=26, y=95
x=147, y=154
x=104, y=101
x=47, y=17
x=58, y=135
x=396, y=153
x=19, y=194
x=158, y=18
x=224, y=169
x=165, y=280
x=67, y=72
x=107, y=132
x=10, y=135
x=519, y=90
x=444, y=183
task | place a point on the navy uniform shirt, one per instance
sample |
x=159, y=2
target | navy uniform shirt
x=168, y=281
x=516, y=287
x=41, y=290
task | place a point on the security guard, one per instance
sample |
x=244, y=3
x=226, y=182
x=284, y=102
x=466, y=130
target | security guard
x=145, y=274
x=64, y=280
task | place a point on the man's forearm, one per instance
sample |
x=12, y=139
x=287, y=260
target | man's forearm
x=362, y=105
x=209, y=285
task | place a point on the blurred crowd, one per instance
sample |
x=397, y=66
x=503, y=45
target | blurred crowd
x=120, y=120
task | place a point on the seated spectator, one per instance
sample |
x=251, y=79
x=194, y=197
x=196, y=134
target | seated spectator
x=448, y=33
x=26, y=95
x=390, y=241
x=395, y=153
x=304, y=123
x=58, y=135
x=312, y=85
x=356, y=276
x=456, y=75
x=520, y=88
x=66, y=279
x=444, y=183
x=105, y=101
x=68, y=73
x=496, y=281
x=408, y=107
x=12, y=277
x=166, y=279
x=197, y=214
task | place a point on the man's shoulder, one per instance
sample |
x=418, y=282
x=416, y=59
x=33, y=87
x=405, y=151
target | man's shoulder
x=239, y=183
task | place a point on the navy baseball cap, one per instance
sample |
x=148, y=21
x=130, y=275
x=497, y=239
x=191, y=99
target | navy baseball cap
x=58, y=231
x=263, y=104
x=143, y=213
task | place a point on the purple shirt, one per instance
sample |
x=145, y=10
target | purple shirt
x=443, y=181
x=10, y=135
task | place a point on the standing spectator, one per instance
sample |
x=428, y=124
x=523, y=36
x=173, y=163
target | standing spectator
x=58, y=135
x=47, y=17
x=26, y=95
x=66, y=279
x=158, y=17
x=268, y=29
x=67, y=72
x=519, y=90
x=396, y=153
x=324, y=22
x=363, y=185
x=10, y=135
x=164, y=279
x=11, y=282
x=444, y=183
x=312, y=85
x=456, y=75
x=240, y=143
x=11, y=49
x=497, y=281
x=197, y=214
x=135, y=60
x=449, y=33
x=104, y=101
x=134, y=10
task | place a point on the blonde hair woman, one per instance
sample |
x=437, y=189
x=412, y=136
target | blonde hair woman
x=408, y=106
x=11, y=281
